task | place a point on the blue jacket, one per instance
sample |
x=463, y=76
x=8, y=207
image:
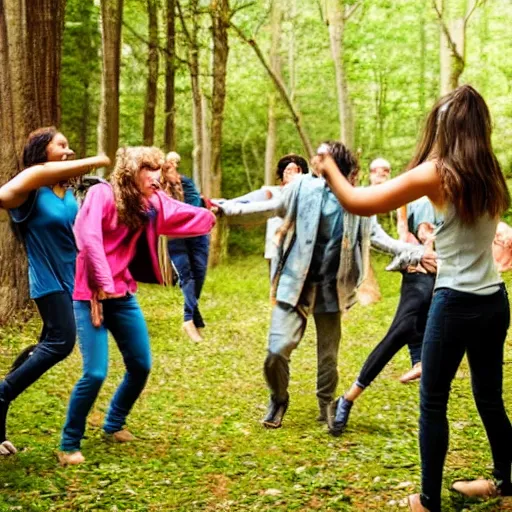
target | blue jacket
x=301, y=207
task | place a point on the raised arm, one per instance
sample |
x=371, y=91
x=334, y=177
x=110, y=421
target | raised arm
x=16, y=191
x=181, y=220
x=420, y=181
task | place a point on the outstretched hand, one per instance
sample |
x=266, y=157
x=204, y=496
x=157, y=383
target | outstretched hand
x=429, y=260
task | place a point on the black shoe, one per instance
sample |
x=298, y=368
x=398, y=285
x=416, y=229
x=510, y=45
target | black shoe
x=275, y=412
x=322, y=414
x=337, y=416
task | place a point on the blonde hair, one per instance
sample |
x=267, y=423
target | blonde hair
x=172, y=188
x=173, y=156
x=130, y=202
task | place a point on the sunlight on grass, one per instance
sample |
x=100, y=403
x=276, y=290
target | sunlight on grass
x=200, y=445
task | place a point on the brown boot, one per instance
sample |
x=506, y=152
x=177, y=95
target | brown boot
x=413, y=374
x=476, y=488
x=122, y=436
x=70, y=458
x=415, y=503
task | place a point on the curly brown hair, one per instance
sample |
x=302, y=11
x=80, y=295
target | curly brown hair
x=130, y=201
x=172, y=188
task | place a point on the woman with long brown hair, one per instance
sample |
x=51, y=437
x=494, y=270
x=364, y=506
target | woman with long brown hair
x=117, y=234
x=42, y=211
x=456, y=168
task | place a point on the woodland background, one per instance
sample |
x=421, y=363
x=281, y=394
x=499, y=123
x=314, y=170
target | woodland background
x=233, y=85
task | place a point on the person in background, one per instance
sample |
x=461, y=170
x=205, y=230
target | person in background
x=189, y=256
x=43, y=211
x=288, y=168
x=409, y=322
x=369, y=291
x=321, y=258
x=117, y=232
x=456, y=168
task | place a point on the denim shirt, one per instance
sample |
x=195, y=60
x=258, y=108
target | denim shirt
x=301, y=207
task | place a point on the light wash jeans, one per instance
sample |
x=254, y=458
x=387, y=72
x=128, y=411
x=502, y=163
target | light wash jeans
x=123, y=318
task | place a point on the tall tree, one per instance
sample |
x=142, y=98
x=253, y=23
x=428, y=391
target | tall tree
x=337, y=15
x=170, y=70
x=198, y=115
x=108, y=126
x=453, y=42
x=212, y=185
x=152, y=79
x=275, y=64
x=30, y=57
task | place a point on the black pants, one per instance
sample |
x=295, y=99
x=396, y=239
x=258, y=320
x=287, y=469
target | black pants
x=463, y=323
x=55, y=344
x=408, y=326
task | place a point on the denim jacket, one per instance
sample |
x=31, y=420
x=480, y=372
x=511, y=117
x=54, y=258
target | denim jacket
x=301, y=207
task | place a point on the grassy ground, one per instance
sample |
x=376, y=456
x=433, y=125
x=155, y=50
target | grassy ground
x=200, y=445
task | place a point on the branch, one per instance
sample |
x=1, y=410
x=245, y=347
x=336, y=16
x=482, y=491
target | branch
x=278, y=82
x=471, y=10
x=161, y=49
x=451, y=44
x=321, y=11
x=240, y=8
x=352, y=10
x=182, y=20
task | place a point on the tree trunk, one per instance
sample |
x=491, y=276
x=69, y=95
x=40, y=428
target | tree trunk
x=275, y=64
x=206, y=143
x=220, y=23
x=108, y=126
x=30, y=54
x=152, y=81
x=170, y=108
x=197, y=103
x=84, y=123
x=336, y=20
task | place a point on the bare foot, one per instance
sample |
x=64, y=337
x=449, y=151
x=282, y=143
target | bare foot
x=7, y=448
x=191, y=331
x=70, y=458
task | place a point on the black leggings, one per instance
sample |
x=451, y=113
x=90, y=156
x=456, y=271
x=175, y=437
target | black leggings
x=55, y=344
x=408, y=326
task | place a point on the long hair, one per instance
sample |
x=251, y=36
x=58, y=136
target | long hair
x=172, y=188
x=34, y=151
x=457, y=135
x=130, y=201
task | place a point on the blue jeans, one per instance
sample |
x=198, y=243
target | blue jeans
x=190, y=257
x=55, y=344
x=460, y=323
x=123, y=318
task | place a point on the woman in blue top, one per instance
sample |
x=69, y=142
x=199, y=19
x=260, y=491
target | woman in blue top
x=43, y=212
x=188, y=255
x=455, y=167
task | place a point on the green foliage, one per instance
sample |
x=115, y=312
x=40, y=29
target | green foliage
x=392, y=67
x=81, y=75
x=199, y=442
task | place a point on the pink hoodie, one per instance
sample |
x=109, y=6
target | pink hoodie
x=107, y=248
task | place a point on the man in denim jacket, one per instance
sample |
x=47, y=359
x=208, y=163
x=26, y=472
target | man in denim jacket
x=320, y=263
